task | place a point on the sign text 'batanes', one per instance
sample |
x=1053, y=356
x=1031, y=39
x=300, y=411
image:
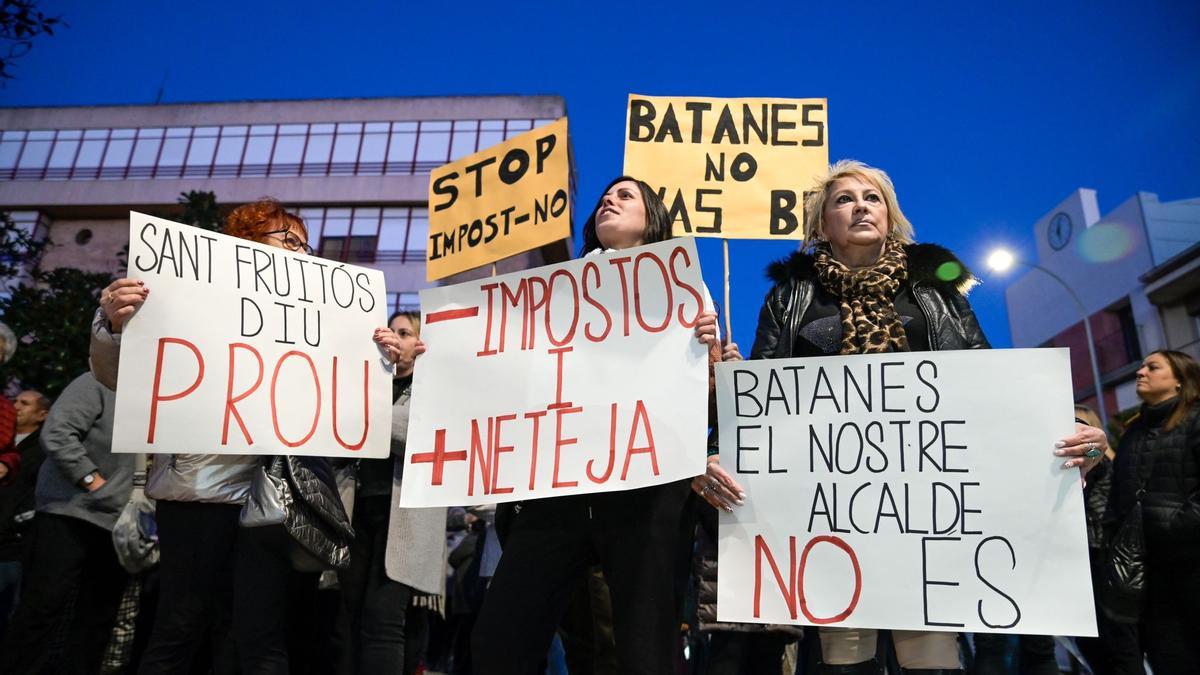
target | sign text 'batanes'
x=572, y=378
x=734, y=168
x=246, y=349
x=507, y=199
x=914, y=491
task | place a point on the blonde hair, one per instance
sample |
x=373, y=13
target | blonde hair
x=1088, y=416
x=814, y=201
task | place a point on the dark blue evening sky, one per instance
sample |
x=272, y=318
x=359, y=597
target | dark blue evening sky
x=985, y=117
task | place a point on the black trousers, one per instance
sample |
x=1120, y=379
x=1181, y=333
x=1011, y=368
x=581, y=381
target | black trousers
x=738, y=653
x=1035, y=654
x=223, y=586
x=1171, y=622
x=381, y=640
x=1117, y=649
x=195, y=597
x=637, y=538
x=64, y=553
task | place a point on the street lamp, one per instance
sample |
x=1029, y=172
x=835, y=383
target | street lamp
x=1001, y=260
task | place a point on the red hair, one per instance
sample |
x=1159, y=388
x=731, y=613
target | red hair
x=254, y=220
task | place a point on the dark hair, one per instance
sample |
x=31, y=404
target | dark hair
x=658, y=221
x=1187, y=371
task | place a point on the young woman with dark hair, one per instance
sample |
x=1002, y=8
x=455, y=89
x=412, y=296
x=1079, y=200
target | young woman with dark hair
x=637, y=536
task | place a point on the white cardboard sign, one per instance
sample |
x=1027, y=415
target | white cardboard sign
x=242, y=348
x=572, y=378
x=912, y=491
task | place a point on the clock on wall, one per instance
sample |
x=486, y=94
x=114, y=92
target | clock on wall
x=1058, y=233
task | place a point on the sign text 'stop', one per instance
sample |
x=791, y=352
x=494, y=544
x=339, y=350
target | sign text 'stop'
x=507, y=199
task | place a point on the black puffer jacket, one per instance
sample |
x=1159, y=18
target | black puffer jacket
x=1166, y=465
x=951, y=322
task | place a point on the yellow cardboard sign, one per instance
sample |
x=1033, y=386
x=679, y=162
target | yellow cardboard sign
x=734, y=168
x=499, y=202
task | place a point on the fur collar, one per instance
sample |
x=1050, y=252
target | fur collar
x=924, y=261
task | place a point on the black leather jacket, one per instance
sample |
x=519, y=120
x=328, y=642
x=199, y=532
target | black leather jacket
x=1161, y=469
x=950, y=320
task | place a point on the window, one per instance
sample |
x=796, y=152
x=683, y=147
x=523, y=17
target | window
x=463, y=139
x=317, y=149
x=201, y=152
x=374, y=150
x=433, y=148
x=259, y=147
x=418, y=235
x=91, y=151
x=174, y=150
x=66, y=147
x=230, y=148
x=145, y=153
x=351, y=249
x=37, y=150
x=289, y=150
x=402, y=148
x=345, y=150
x=404, y=301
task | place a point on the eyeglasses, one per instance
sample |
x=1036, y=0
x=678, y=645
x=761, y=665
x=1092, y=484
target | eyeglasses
x=291, y=241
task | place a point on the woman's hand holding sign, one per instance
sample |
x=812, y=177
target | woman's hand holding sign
x=390, y=344
x=121, y=299
x=1084, y=448
x=717, y=487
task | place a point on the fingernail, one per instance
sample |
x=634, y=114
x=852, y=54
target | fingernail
x=739, y=502
x=1060, y=444
x=728, y=509
x=1060, y=453
x=741, y=495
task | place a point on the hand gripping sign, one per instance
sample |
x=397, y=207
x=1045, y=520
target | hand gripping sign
x=734, y=168
x=572, y=378
x=507, y=199
x=248, y=349
x=910, y=491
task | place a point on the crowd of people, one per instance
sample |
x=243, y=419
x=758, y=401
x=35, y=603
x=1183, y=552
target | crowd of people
x=620, y=582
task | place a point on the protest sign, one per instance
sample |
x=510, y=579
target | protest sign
x=729, y=167
x=914, y=491
x=572, y=378
x=509, y=198
x=242, y=348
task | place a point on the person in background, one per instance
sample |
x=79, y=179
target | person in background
x=1116, y=650
x=398, y=558
x=1158, y=465
x=861, y=285
x=10, y=459
x=17, y=497
x=80, y=492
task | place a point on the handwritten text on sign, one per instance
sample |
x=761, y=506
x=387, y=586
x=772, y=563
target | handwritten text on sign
x=729, y=167
x=566, y=379
x=243, y=348
x=911, y=491
x=509, y=198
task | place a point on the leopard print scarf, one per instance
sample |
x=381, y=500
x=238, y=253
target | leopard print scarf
x=866, y=297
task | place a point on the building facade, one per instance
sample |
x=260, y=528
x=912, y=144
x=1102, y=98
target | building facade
x=356, y=170
x=1136, y=271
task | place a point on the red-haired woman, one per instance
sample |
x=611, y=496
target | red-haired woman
x=215, y=577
